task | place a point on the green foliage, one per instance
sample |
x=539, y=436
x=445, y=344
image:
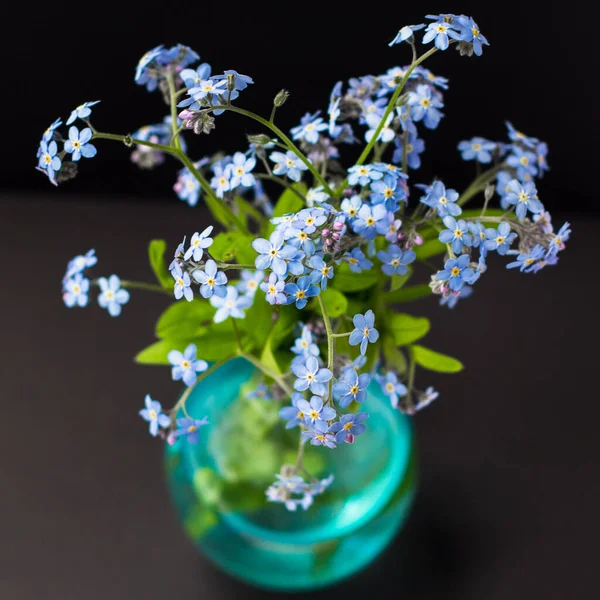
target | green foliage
x=335, y=303
x=397, y=281
x=156, y=256
x=247, y=212
x=407, y=329
x=185, y=319
x=347, y=281
x=434, y=361
x=230, y=246
x=429, y=248
x=394, y=357
x=408, y=294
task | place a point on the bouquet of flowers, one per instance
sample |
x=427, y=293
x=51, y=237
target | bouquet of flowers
x=306, y=286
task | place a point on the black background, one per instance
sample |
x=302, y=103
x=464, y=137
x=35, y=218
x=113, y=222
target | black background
x=539, y=72
x=509, y=492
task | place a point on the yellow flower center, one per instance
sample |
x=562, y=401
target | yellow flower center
x=366, y=331
x=475, y=32
x=441, y=28
x=455, y=271
x=500, y=240
x=211, y=281
x=425, y=102
x=476, y=147
x=289, y=162
x=239, y=171
x=76, y=289
x=314, y=414
x=352, y=212
x=524, y=161
x=347, y=426
x=354, y=390
x=458, y=233
x=153, y=414
x=389, y=386
x=192, y=428
x=523, y=197
x=325, y=271
x=300, y=294
x=272, y=290
x=389, y=192
x=76, y=145
x=395, y=262
x=363, y=171
x=353, y=261
x=186, y=364
x=370, y=221
x=443, y=200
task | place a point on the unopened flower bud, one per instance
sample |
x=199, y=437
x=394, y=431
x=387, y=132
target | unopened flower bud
x=281, y=98
x=171, y=439
x=259, y=139
x=418, y=240
x=338, y=226
x=336, y=236
x=349, y=438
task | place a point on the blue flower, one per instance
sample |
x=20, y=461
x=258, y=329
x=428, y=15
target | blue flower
x=322, y=272
x=182, y=284
x=308, y=219
x=414, y=147
x=209, y=89
x=273, y=289
x=477, y=231
x=198, y=243
x=81, y=262
x=310, y=376
x=319, y=435
x=406, y=33
x=526, y=261
x=154, y=415
x=288, y=164
x=541, y=151
x=189, y=427
x=456, y=234
x=424, y=106
x=457, y=272
x=391, y=387
x=309, y=128
x=424, y=399
x=524, y=162
x=192, y=77
x=231, y=305
x=478, y=149
x=364, y=331
x=49, y=161
x=524, y=196
x=469, y=32
x=358, y=261
x=185, y=366
x=351, y=387
x=388, y=192
x=357, y=364
x=83, y=111
x=75, y=291
x=351, y=206
x=221, y=182
x=371, y=221
x=304, y=345
x=348, y=427
x=499, y=239
x=187, y=187
x=386, y=134
x=452, y=299
x=519, y=136
x=240, y=169
x=395, y=260
x=261, y=392
x=363, y=174
x=558, y=241
x=315, y=410
x=292, y=414
x=49, y=133
x=211, y=281
x=272, y=253
x=240, y=82
x=78, y=144
x=443, y=200
x=440, y=31
x=143, y=74
x=112, y=296
x=250, y=281
x=300, y=291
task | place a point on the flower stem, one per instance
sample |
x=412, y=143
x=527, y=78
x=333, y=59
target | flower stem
x=180, y=404
x=173, y=104
x=281, y=182
x=286, y=140
x=479, y=183
x=141, y=285
x=330, y=344
x=269, y=373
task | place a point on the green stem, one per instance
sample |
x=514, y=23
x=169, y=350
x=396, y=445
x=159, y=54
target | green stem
x=330, y=343
x=129, y=141
x=390, y=107
x=227, y=266
x=411, y=377
x=286, y=140
x=269, y=373
x=281, y=182
x=173, y=104
x=182, y=400
x=479, y=183
x=339, y=335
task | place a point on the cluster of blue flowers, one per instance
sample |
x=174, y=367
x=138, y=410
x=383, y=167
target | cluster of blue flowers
x=76, y=286
x=352, y=220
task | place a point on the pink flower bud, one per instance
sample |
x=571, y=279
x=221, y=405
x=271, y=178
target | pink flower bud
x=338, y=226
x=171, y=440
x=336, y=236
x=326, y=232
x=418, y=240
x=328, y=241
x=349, y=439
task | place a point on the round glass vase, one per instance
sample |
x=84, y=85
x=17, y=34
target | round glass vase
x=218, y=487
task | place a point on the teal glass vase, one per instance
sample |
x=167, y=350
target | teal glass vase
x=218, y=487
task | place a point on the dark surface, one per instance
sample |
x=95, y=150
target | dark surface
x=538, y=73
x=508, y=501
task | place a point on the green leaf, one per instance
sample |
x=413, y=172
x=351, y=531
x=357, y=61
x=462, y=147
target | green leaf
x=222, y=213
x=408, y=294
x=287, y=319
x=156, y=354
x=335, y=302
x=429, y=249
x=476, y=212
x=247, y=210
x=399, y=280
x=156, y=255
x=268, y=358
x=184, y=318
x=347, y=281
x=392, y=355
x=407, y=329
x=434, y=361
x=233, y=245
x=258, y=322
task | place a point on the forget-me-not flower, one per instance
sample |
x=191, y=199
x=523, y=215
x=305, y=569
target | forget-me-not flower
x=364, y=332
x=211, y=281
x=154, y=415
x=311, y=376
x=112, y=295
x=186, y=365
